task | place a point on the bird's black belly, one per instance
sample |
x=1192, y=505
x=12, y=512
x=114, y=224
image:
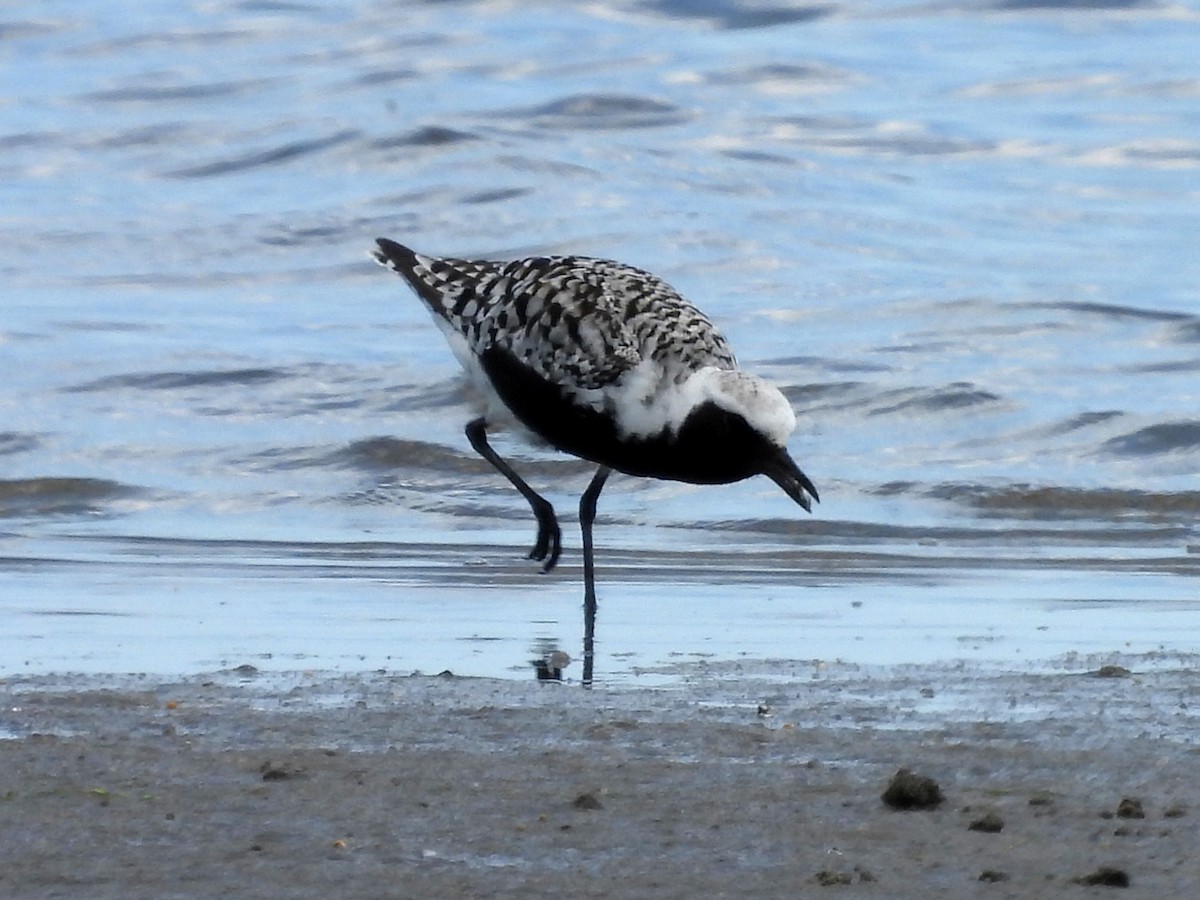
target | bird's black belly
x=713, y=446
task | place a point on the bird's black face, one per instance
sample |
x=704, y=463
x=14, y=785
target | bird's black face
x=723, y=447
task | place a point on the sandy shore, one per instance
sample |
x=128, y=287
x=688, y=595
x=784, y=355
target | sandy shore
x=756, y=779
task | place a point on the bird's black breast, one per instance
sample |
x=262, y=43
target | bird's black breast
x=713, y=446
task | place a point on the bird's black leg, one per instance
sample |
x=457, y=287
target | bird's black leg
x=549, y=535
x=587, y=515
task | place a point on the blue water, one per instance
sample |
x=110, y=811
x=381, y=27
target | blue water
x=962, y=237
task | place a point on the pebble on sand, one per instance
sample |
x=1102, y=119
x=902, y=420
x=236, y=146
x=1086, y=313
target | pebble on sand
x=907, y=790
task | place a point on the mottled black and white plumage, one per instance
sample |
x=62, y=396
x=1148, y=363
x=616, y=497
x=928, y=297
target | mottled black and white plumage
x=580, y=323
x=606, y=362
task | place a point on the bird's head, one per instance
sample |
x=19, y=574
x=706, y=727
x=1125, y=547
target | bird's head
x=767, y=413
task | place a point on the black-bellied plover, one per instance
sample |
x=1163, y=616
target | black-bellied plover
x=608, y=363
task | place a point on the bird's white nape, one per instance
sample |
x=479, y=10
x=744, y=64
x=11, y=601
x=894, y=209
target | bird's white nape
x=756, y=400
x=647, y=400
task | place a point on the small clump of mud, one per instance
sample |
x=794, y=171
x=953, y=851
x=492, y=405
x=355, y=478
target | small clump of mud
x=587, y=801
x=989, y=823
x=1105, y=876
x=1130, y=808
x=909, y=791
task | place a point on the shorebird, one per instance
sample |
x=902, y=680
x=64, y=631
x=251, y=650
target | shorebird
x=608, y=363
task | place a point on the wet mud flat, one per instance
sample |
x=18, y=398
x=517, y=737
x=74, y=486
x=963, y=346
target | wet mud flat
x=750, y=778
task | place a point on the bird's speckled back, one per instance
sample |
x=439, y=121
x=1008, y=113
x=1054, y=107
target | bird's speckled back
x=578, y=322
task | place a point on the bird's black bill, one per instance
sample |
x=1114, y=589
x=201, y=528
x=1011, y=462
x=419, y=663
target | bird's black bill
x=782, y=470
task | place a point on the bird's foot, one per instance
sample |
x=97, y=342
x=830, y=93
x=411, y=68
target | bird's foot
x=549, y=541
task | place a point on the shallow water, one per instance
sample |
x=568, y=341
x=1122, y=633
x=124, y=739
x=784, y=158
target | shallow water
x=961, y=237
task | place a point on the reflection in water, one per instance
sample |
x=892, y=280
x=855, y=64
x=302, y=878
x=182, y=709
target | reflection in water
x=549, y=663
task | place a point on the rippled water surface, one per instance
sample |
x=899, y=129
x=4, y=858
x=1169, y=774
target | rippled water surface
x=962, y=237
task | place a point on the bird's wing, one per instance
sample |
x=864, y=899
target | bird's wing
x=578, y=322
x=667, y=328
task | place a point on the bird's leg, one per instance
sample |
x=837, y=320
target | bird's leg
x=549, y=536
x=587, y=515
